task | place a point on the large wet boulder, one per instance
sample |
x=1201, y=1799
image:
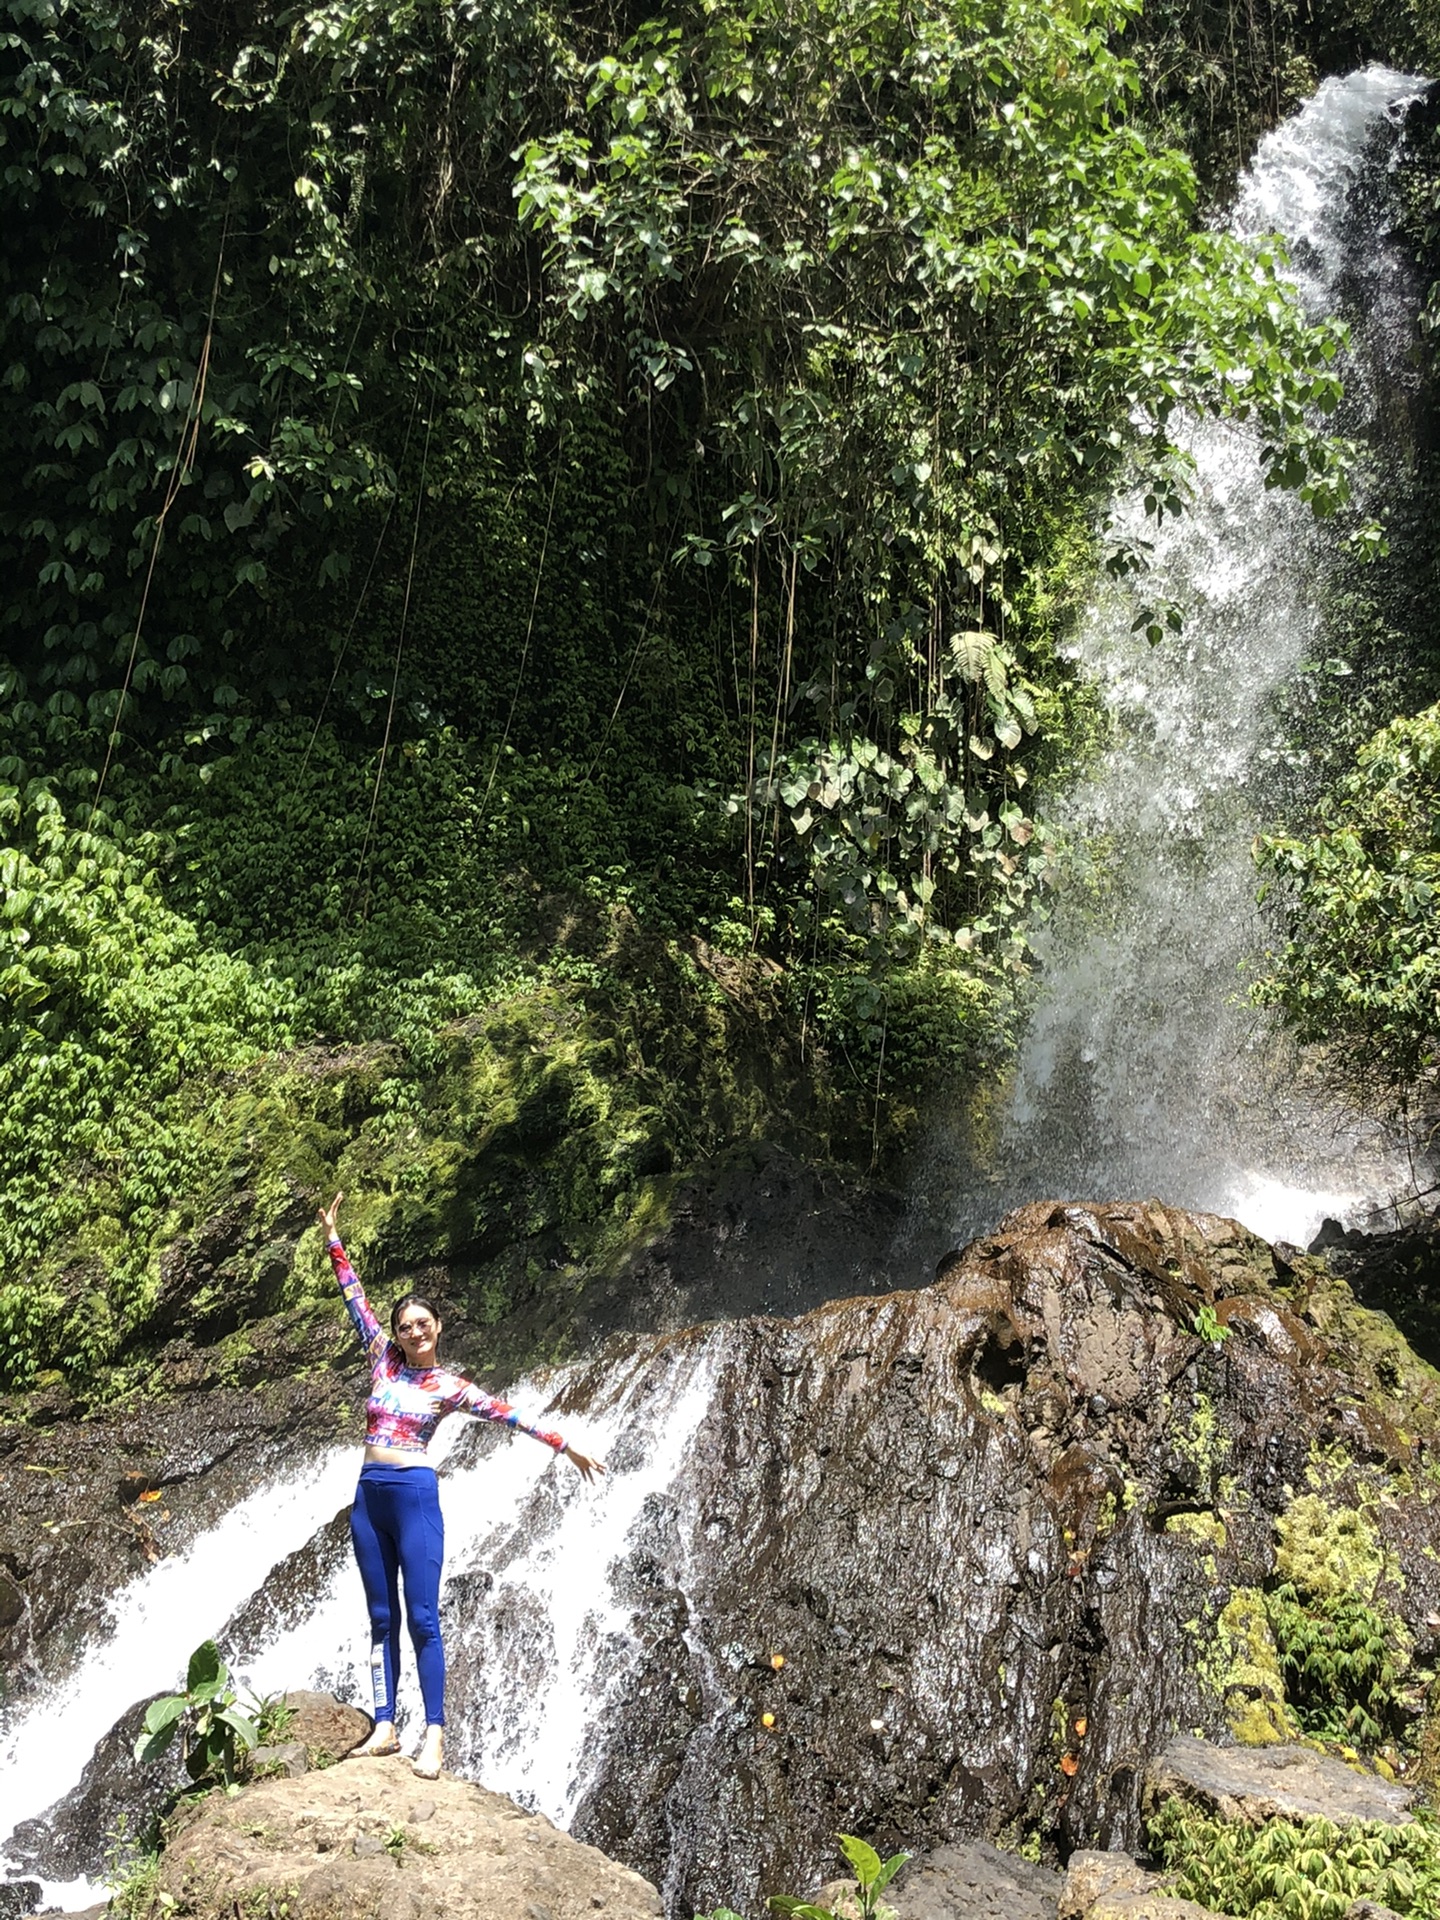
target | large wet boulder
x=957, y=1563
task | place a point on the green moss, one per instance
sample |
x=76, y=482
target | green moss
x=1344, y=1651
x=1204, y=1530
x=1398, y=1384
x=1241, y=1667
x=527, y=1153
x=1328, y=1551
x=1202, y=1440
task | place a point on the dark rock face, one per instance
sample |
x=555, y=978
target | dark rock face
x=754, y=1231
x=70, y=1841
x=1397, y=1272
x=991, y=1529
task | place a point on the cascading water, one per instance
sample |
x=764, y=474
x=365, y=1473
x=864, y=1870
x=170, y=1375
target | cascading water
x=153, y=1625
x=1143, y=1069
x=546, y=1646
x=529, y=1607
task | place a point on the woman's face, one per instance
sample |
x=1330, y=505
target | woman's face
x=417, y=1334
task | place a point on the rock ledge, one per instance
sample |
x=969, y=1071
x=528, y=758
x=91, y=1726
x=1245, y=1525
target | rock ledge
x=366, y=1840
x=1255, y=1784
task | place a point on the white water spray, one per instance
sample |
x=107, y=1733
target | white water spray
x=1144, y=1070
x=154, y=1622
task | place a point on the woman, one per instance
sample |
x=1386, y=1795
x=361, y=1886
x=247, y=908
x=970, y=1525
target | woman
x=395, y=1523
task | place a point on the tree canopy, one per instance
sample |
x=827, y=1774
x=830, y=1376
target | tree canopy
x=456, y=454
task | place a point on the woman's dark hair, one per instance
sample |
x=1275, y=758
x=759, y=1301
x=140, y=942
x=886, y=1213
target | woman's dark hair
x=411, y=1300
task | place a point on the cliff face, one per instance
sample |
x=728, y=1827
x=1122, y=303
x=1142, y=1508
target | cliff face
x=1006, y=1536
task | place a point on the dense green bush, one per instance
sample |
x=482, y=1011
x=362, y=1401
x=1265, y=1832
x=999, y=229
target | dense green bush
x=467, y=472
x=1362, y=968
x=1343, y=1663
x=1301, y=1870
x=114, y=1006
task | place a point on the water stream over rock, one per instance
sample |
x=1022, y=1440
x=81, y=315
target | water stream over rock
x=949, y=1509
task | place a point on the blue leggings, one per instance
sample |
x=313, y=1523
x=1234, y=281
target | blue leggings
x=396, y=1527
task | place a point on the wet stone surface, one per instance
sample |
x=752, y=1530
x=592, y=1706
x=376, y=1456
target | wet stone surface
x=1256, y=1784
x=974, y=1881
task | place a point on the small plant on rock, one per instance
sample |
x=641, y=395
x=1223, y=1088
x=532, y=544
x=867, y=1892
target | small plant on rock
x=872, y=1876
x=214, y=1732
x=132, y=1873
x=273, y=1719
x=1209, y=1326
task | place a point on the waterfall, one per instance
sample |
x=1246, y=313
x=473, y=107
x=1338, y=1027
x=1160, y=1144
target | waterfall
x=154, y=1622
x=1144, y=1069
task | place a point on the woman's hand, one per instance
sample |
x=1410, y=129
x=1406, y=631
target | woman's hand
x=583, y=1464
x=327, y=1217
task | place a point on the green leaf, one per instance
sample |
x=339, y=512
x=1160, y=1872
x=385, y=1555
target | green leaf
x=149, y=1746
x=862, y=1857
x=164, y=1712
x=206, y=1671
x=971, y=654
x=243, y=1726
x=888, y=1872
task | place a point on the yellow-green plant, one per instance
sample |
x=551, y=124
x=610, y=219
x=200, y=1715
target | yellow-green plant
x=1297, y=1870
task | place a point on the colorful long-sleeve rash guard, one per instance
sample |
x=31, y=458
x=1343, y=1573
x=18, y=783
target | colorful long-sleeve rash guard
x=406, y=1404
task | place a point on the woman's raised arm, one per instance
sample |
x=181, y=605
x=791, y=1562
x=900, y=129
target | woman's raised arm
x=372, y=1335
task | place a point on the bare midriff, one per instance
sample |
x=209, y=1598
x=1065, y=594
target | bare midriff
x=393, y=1457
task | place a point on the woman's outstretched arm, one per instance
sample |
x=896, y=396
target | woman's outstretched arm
x=484, y=1406
x=372, y=1335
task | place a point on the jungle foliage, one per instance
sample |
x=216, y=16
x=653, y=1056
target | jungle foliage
x=1362, y=970
x=459, y=456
